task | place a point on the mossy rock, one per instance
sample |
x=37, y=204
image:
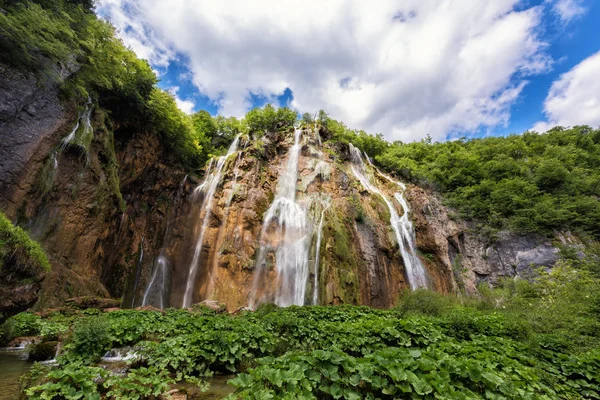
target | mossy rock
x=42, y=351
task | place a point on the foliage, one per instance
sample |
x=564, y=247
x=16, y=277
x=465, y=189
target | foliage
x=74, y=381
x=23, y=324
x=535, y=340
x=175, y=128
x=269, y=119
x=139, y=383
x=18, y=252
x=528, y=183
x=91, y=338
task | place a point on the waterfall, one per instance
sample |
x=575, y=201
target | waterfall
x=290, y=222
x=87, y=125
x=401, y=226
x=208, y=188
x=316, y=130
x=226, y=210
x=157, y=290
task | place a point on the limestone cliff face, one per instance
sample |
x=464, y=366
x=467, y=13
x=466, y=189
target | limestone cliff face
x=453, y=246
x=360, y=262
x=116, y=215
x=88, y=207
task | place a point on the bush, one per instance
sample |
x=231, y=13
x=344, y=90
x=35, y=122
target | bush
x=23, y=324
x=91, y=338
x=269, y=119
x=425, y=302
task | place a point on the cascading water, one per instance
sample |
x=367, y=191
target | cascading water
x=157, y=291
x=84, y=117
x=226, y=208
x=290, y=223
x=208, y=189
x=401, y=226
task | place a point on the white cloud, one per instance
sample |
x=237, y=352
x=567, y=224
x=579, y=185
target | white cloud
x=574, y=99
x=187, y=105
x=567, y=10
x=404, y=68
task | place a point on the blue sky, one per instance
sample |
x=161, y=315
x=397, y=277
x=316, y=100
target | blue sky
x=445, y=69
x=568, y=46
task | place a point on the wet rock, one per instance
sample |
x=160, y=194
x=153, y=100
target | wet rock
x=93, y=302
x=21, y=342
x=456, y=250
x=42, y=351
x=241, y=310
x=174, y=394
x=213, y=305
x=149, y=308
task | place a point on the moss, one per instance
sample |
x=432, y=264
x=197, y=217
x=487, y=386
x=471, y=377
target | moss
x=109, y=183
x=458, y=270
x=42, y=351
x=381, y=207
x=18, y=248
x=358, y=213
x=45, y=179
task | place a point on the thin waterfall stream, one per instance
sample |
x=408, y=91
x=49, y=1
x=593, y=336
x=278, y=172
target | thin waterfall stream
x=208, y=189
x=227, y=208
x=157, y=291
x=402, y=226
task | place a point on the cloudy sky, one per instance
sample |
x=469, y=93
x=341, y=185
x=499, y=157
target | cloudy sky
x=403, y=68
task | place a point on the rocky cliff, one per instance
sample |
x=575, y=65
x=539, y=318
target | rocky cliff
x=88, y=202
x=118, y=218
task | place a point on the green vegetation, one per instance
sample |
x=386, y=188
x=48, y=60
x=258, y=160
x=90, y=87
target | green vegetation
x=523, y=340
x=18, y=252
x=269, y=119
x=527, y=183
x=36, y=35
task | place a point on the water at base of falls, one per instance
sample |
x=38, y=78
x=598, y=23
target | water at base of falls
x=402, y=226
x=208, y=189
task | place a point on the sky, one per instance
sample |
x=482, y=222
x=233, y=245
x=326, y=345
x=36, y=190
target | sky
x=403, y=68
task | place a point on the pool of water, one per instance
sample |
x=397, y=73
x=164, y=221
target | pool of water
x=11, y=368
x=218, y=388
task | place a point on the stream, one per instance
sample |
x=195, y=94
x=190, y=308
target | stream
x=12, y=367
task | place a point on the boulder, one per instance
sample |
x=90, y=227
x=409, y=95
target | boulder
x=93, y=302
x=213, y=305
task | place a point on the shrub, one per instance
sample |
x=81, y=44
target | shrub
x=91, y=338
x=23, y=324
x=425, y=302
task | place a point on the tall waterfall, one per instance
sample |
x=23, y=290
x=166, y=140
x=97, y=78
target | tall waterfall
x=402, y=226
x=290, y=223
x=208, y=189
